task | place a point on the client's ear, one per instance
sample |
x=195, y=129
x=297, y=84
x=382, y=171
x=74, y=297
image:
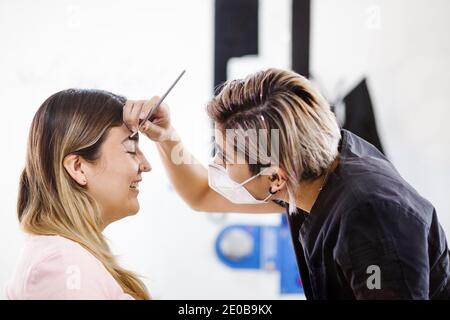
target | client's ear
x=72, y=163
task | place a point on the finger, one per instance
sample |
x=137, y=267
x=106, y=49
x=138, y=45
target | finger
x=146, y=108
x=162, y=109
x=161, y=115
x=134, y=114
x=152, y=130
x=155, y=99
x=126, y=114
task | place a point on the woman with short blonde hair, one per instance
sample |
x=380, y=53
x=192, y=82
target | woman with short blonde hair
x=359, y=230
x=308, y=133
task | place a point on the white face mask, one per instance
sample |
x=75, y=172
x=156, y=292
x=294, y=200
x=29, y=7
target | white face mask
x=220, y=182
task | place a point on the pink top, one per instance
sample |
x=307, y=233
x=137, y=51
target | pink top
x=53, y=267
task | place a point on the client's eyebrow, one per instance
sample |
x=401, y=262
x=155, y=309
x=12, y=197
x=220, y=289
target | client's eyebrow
x=134, y=138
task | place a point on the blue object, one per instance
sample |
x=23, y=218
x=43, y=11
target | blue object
x=261, y=247
x=287, y=265
x=249, y=261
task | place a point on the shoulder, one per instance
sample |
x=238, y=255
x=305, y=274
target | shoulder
x=375, y=209
x=54, y=267
x=383, y=227
x=60, y=251
x=378, y=229
x=367, y=185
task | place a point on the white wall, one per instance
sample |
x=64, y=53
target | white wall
x=137, y=48
x=403, y=47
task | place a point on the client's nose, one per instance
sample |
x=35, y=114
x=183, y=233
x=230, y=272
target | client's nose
x=144, y=165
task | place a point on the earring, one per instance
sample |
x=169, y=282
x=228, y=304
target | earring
x=271, y=192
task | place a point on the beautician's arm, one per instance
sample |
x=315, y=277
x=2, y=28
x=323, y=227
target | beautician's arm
x=189, y=180
x=191, y=183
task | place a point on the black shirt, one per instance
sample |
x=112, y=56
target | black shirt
x=369, y=222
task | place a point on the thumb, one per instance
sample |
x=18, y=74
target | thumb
x=153, y=131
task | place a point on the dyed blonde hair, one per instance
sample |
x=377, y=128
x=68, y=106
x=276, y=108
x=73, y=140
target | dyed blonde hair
x=50, y=202
x=308, y=132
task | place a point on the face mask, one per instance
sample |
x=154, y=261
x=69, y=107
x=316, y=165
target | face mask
x=220, y=182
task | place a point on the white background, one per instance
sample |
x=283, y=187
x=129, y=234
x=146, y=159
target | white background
x=137, y=48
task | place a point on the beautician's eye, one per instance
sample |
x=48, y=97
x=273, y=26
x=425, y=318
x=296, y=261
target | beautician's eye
x=222, y=158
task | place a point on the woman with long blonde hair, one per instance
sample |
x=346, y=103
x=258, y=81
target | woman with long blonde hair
x=81, y=174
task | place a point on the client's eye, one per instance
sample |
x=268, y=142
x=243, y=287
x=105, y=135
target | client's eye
x=130, y=146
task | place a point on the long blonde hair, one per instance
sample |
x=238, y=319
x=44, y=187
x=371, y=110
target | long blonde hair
x=283, y=100
x=50, y=202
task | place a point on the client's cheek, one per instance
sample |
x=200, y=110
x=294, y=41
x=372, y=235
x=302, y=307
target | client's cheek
x=136, y=166
x=131, y=164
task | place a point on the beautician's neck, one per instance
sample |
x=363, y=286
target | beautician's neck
x=308, y=191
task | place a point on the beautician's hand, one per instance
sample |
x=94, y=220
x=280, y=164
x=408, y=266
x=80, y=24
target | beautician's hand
x=157, y=128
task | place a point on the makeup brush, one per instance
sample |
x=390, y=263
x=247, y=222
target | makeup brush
x=152, y=111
